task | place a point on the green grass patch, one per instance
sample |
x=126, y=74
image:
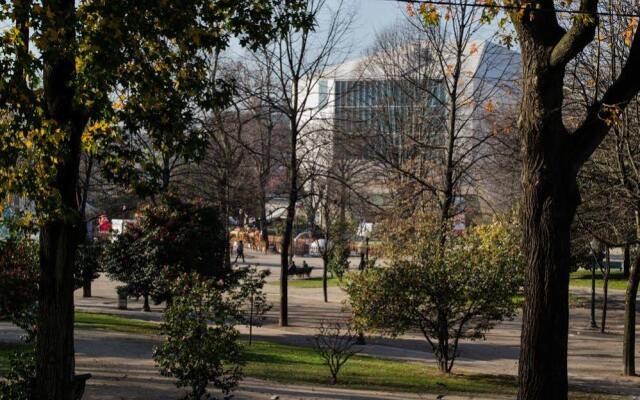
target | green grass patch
x=301, y=365
x=297, y=364
x=86, y=320
x=309, y=283
x=582, y=278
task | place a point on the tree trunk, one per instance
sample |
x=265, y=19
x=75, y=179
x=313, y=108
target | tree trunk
x=145, y=305
x=605, y=286
x=251, y=320
x=54, y=340
x=627, y=262
x=629, y=336
x=59, y=235
x=285, y=257
x=284, y=264
x=286, y=248
x=550, y=199
x=86, y=287
x=325, y=266
x=263, y=221
x=593, y=295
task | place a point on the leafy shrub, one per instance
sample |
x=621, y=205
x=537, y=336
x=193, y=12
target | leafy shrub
x=195, y=352
x=19, y=281
x=451, y=291
x=20, y=380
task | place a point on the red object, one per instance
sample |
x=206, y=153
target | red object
x=104, y=225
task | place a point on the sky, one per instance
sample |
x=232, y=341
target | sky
x=372, y=16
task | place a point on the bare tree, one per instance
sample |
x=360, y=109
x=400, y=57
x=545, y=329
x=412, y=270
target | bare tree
x=436, y=129
x=299, y=61
x=610, y=179
x=335, y=342
x=266, y=133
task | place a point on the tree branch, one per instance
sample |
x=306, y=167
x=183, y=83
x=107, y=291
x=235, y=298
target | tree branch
x=605, y=112
x=579, y=36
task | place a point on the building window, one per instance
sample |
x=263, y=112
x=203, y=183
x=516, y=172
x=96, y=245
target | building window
x=323, y=95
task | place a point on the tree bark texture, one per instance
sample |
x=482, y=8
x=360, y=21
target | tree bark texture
x=552, y=157
x=60, y=234
x=550, y=199
x=629, y=335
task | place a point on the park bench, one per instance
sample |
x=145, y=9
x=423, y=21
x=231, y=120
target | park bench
x=79, y=384
x=300, y=272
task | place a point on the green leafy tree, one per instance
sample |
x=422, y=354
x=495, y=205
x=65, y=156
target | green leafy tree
x=187, y=235
x=447, y=293
x=61, y=63
x=201, y=345
x=88, y=265
x=170, y=237
x=128, y=259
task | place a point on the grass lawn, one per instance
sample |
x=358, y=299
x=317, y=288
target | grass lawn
x=296, y=364
x=582, y=278
x=86, y=320
x=309, y=283
x=301, y=365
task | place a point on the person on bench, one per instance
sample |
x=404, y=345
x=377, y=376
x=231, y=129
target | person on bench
x=292, y=268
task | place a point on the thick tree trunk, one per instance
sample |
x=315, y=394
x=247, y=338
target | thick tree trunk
x=550, y=199
x=543, y=354
x=54, y=340
x=629, y=337
x=59, y=235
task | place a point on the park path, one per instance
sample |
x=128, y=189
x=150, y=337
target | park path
x=594, y=358
x=123, y=369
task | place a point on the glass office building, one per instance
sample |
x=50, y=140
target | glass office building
x=376, y=115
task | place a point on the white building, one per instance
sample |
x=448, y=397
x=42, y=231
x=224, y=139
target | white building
x=376, y=93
